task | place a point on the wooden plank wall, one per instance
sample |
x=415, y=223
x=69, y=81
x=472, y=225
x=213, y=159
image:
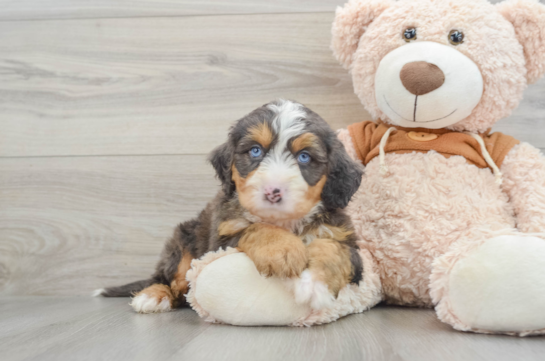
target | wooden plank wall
x=108, y=109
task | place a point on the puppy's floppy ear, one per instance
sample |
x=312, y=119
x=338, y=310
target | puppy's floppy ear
x=221, y=159
x=350, y=23
x=343, y=179
x=528, y=18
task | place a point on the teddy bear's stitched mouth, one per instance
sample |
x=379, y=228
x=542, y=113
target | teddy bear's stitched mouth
x=415, y=105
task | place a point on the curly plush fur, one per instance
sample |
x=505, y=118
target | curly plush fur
x=509, y=56
x=443, y=232
x=433, y=207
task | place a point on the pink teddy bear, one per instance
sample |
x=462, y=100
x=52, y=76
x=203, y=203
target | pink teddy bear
x=450, y=212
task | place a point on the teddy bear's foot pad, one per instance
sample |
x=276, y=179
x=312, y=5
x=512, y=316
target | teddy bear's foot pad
x=232, y=291
x=500, y=287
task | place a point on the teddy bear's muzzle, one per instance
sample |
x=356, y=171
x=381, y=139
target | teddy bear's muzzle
x=427, y=84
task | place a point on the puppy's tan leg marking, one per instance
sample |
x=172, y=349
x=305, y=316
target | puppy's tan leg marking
x=179, y=285
x=274, y=250
x=329, y=262
x=155, y=298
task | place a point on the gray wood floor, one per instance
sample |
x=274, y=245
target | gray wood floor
x=53, y=328
x=108, y=109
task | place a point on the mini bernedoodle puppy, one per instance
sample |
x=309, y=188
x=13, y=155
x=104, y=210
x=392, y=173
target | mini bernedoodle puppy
x=285, y=180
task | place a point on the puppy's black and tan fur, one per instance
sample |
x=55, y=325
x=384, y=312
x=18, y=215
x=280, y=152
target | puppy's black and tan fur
x=285, y=180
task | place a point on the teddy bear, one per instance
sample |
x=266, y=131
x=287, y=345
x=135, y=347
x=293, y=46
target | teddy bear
x=449, y=214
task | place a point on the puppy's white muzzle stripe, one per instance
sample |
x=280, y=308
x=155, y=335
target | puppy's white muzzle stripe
x=279, y=167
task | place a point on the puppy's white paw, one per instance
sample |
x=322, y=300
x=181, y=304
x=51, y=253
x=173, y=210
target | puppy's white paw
x=308, y=290
x=145, y=304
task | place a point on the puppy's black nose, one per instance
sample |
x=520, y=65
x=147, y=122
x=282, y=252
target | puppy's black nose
x=276, y=191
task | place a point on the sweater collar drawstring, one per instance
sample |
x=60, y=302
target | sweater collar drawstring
x=477, y=137
x=488, y=158
x=382, y=153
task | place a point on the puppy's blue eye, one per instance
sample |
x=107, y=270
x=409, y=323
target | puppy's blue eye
x=255, y=152
x=303, y=158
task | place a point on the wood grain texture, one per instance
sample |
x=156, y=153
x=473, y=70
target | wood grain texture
x=71, y=225
x=77, y=9
x=160, y=85
x=527, y=123
x=173, y=85
x=52, y=328
x=105, y=123
x=84, y=9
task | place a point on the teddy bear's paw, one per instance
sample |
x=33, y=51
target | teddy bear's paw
x=312, y=291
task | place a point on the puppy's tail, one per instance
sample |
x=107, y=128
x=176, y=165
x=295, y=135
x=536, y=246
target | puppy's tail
x=127, y=290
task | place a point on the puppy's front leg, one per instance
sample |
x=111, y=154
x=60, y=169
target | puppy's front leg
x=274, y=250
x=330, y=269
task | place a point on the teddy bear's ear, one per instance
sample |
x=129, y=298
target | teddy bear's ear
x=350, y=23
x=528, y=18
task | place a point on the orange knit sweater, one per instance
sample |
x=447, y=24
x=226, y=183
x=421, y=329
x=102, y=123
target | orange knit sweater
x=366, y=137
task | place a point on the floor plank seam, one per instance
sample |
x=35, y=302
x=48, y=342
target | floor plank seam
x=102, y=155
x=164, y=16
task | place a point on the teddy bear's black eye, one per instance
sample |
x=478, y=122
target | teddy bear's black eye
x=409, y=34
x=456, y=37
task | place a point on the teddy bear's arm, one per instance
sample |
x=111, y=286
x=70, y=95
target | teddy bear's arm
x=524, y=182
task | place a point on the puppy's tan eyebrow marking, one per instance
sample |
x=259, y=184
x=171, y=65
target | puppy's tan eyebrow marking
x=303, y=141
x=262, y=134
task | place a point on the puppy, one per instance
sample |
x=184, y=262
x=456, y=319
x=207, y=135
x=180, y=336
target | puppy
x=285, y=180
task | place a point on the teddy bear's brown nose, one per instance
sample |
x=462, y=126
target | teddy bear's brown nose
x=421, y=77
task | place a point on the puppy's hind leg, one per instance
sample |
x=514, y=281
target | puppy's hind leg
x=179, y=285
x=166, y=288
x=163, y=298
